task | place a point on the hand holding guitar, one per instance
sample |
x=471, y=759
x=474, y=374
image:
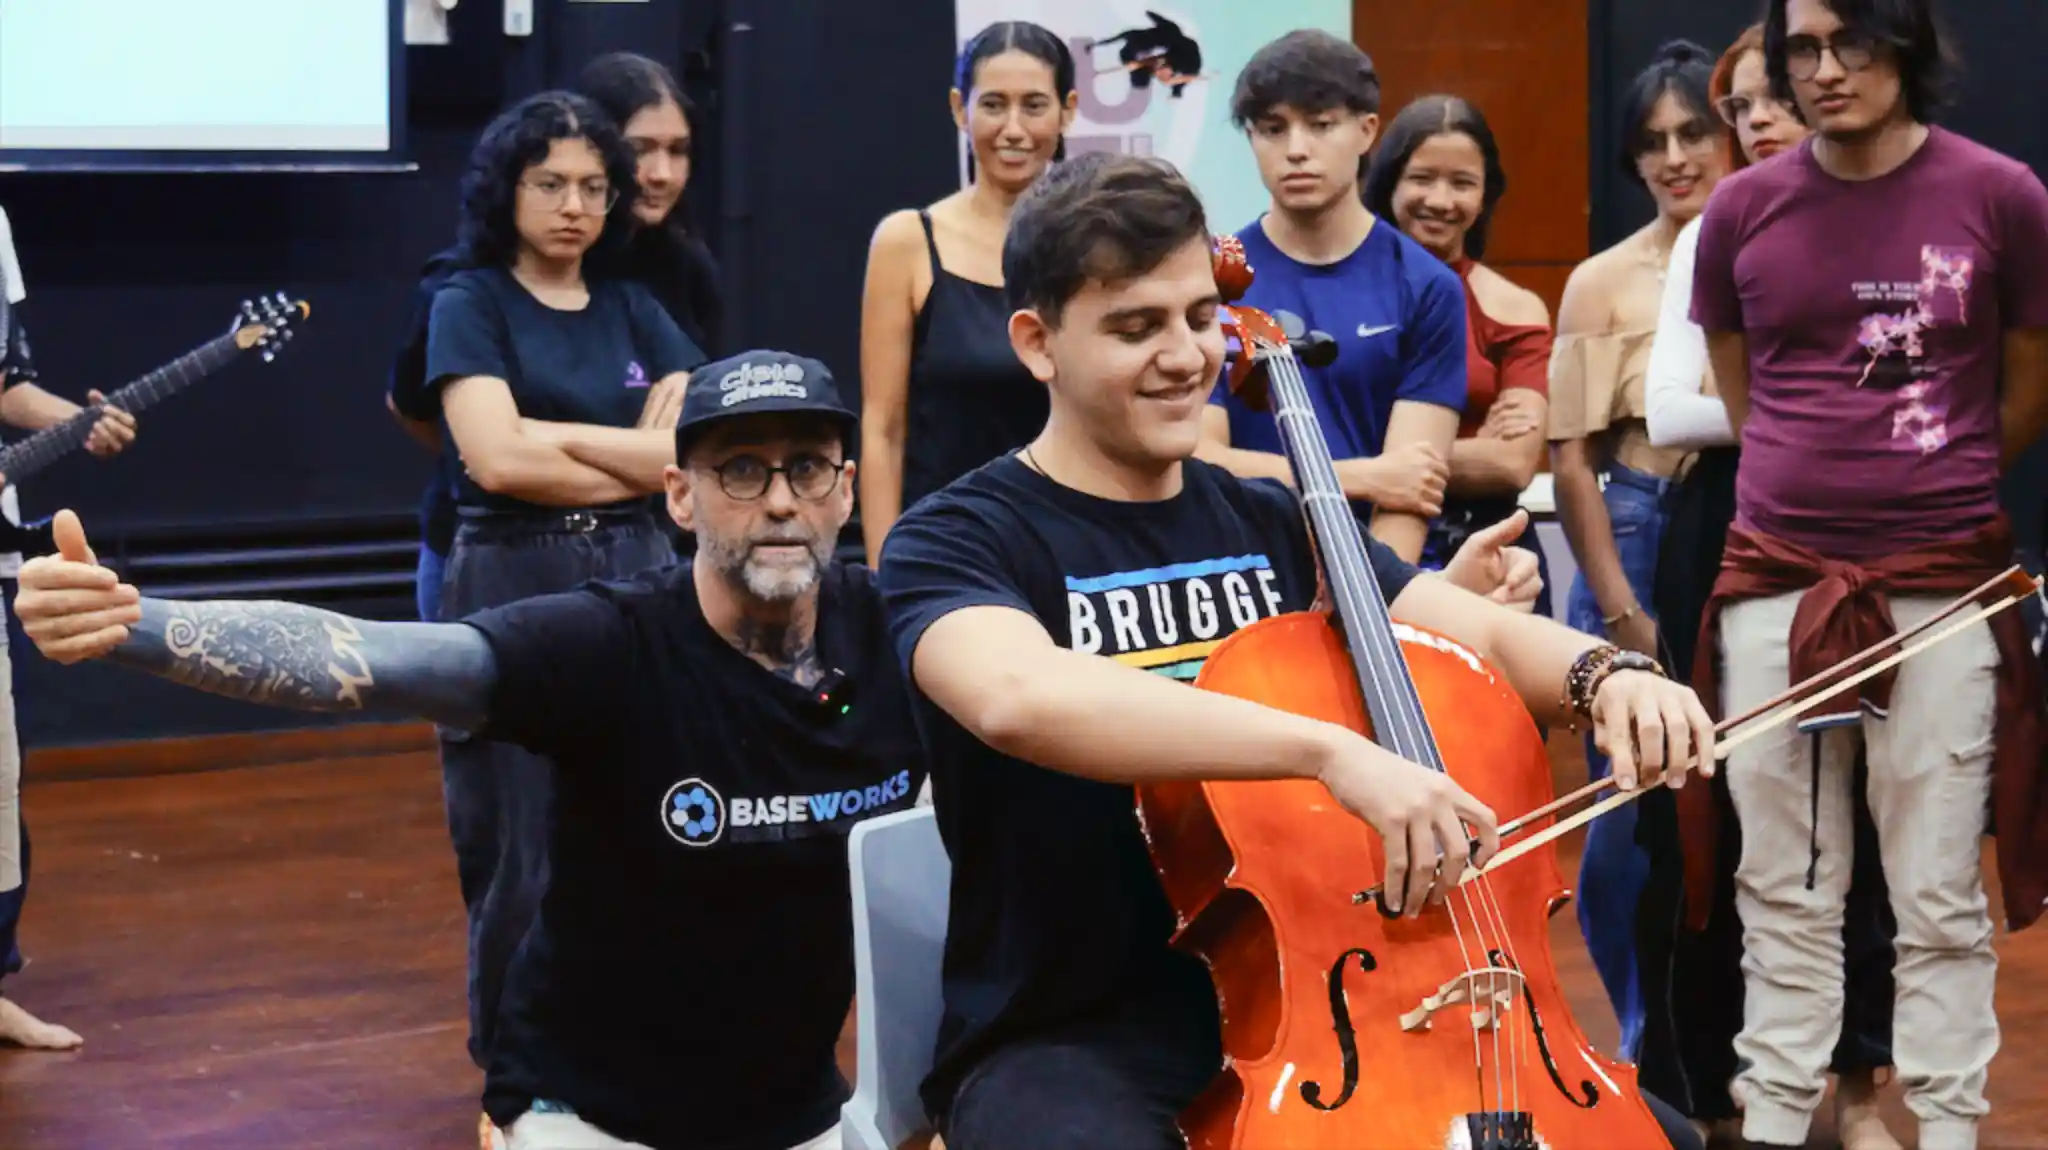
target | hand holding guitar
x=113, y=432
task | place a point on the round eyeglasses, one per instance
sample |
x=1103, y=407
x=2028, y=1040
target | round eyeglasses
x=551, y=193
x=811, y=477
x=1735, y=107
x=1852, y=50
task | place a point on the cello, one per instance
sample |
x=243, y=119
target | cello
x=1346, y=1026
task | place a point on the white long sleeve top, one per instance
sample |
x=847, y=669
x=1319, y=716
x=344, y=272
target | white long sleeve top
x=1678, y=412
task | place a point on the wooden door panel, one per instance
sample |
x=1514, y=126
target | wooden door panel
x=1523, y=63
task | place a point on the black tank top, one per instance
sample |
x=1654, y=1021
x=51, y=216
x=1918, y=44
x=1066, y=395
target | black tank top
x=970, y=399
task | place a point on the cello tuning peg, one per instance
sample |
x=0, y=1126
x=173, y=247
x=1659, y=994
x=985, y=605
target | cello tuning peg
x=1315, y=348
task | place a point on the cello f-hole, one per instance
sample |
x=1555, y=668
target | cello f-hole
x=1591, y=1096
x=1347, y=1034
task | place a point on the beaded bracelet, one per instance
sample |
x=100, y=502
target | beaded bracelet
x=1591, y=668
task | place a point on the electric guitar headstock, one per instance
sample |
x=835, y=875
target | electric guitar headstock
x=267, y=323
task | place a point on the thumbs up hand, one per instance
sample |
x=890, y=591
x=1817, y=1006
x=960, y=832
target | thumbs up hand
x=69, y=605
x=1488, y=565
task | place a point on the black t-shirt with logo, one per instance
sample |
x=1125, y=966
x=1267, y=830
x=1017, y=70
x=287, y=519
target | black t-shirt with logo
x=692, y=964
x=1058, y=916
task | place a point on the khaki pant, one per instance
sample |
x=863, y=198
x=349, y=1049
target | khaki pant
x=557, y=1131
x=1930, y=779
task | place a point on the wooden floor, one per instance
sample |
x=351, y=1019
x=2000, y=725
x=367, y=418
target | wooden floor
x=263, y=957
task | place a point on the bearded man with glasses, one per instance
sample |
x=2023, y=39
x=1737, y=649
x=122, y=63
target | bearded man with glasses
x=1876, y=314
x=717, y=726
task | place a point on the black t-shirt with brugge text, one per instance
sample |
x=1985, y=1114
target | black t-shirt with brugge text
x=1057, y=914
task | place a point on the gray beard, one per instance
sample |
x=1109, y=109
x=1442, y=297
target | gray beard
x=735, y=564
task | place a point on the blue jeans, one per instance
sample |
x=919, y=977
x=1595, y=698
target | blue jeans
x=498, y=795
x=427, y=583
x=1614, y=869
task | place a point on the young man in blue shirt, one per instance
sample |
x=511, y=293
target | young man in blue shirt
x=1390, y=404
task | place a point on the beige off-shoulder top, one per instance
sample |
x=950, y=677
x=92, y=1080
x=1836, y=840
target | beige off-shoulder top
x=1596, y=392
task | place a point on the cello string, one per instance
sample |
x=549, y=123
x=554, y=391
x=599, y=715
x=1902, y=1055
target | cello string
x=1519, y=1034
x=1409, y=719
x=1284, y=368
x=1489, y=912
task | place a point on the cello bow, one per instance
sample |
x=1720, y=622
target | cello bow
x=1783, y=708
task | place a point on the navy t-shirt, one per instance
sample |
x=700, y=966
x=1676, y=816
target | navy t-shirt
x=1398, y=316
x=687, y=977
x=593, y=365
x=1057, y=914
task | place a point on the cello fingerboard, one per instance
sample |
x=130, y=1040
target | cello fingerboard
x=1390, y=696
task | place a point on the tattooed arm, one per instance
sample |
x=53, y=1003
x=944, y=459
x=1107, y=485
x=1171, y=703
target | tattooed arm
x=309, y=659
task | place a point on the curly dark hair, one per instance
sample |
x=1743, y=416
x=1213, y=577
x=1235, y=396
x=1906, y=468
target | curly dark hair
x=517, y=140
x=1428, y=116
x=1100, y=216
x=674, y=255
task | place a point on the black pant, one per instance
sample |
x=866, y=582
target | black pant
x=1105, y=1086
x=499, y=796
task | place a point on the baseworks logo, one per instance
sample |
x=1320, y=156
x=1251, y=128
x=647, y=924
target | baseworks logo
x=693, y=813
x=763, y=381
x=796, y=816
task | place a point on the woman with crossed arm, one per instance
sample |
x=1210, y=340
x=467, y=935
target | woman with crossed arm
x=542, y=373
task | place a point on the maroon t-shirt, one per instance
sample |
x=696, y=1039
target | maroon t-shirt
x=1875, y=312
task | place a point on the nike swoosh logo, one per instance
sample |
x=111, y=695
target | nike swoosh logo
x=1365, y=332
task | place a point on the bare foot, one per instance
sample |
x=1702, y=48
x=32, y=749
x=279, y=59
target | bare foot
x=1857, y=1118
x=21, y=1028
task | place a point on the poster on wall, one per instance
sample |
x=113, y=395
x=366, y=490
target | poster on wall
x=1155, y=78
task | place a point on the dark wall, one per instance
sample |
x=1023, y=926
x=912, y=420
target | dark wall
x=2000, y=102
x=818, y=118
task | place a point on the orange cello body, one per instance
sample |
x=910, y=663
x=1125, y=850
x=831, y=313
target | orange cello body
x=1262, y=876
x=1345, y=1028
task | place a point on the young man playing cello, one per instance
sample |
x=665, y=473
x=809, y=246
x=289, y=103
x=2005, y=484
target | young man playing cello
x=1068, y=1019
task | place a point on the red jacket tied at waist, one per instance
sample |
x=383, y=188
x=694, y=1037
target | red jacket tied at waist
x=1846, y=609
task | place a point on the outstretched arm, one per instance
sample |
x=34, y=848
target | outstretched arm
x=309, y=659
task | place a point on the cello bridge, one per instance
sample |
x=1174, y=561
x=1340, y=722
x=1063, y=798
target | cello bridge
x=1490, y=991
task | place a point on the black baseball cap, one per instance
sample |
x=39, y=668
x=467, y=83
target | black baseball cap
x=760, y=382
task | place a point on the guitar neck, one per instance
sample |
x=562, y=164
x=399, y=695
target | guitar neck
x=1389, y=693
x=20, y=460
